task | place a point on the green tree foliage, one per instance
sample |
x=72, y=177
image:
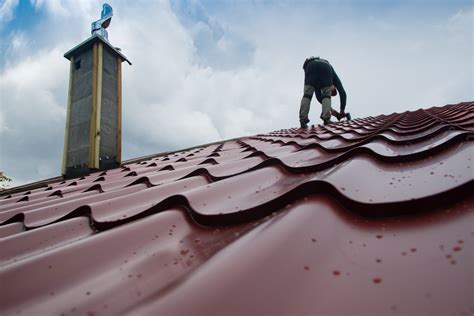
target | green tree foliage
x=4, y=180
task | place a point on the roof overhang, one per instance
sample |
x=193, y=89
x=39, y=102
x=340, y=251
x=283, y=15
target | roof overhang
x=91, y=41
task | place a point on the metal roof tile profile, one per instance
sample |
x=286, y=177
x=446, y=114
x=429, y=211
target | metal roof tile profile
x=372, y=216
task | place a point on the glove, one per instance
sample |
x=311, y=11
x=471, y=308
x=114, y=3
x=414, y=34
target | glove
x=334, y=91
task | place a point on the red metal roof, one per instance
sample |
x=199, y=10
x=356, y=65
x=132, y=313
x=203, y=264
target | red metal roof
x=368, y=217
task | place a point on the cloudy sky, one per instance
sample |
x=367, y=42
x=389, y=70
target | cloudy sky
x=208, y=70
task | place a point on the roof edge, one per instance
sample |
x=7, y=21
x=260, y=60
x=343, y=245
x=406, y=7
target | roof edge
x=44, y=183
x=91, y=40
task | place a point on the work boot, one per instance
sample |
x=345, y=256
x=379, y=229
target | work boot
x=304, y=123
x=328, y=121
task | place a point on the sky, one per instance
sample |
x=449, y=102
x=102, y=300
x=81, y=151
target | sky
x=210, y=70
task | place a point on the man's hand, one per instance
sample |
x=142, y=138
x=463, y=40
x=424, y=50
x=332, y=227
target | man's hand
x=346, y=115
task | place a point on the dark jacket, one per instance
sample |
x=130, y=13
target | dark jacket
x=319, y=73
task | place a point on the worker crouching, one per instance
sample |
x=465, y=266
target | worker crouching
x=321, y=79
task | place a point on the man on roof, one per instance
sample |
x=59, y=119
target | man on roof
x=321, y=79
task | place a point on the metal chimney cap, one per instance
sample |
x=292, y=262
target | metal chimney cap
x=99, y=26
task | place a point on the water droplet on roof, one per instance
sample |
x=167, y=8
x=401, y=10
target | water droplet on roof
x=377, y=280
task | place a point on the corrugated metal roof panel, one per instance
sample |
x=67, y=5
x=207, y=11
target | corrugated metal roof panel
x=372, y=216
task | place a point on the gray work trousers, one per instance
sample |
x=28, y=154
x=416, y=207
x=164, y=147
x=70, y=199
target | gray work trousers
x=306, y=101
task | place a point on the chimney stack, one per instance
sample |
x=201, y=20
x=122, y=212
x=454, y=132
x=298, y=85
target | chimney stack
x=93, y=138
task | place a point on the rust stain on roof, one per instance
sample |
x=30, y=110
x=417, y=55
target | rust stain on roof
x=372, y=216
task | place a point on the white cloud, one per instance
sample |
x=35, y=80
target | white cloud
x=6, y=10
x=64, y=9
x=461, y=20
x=19, y=42
x=32, y=97
x=15, y=47
x=207, y=76
x=3, y=125
x=55, y=7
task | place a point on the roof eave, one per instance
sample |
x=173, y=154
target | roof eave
x=90, y=41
